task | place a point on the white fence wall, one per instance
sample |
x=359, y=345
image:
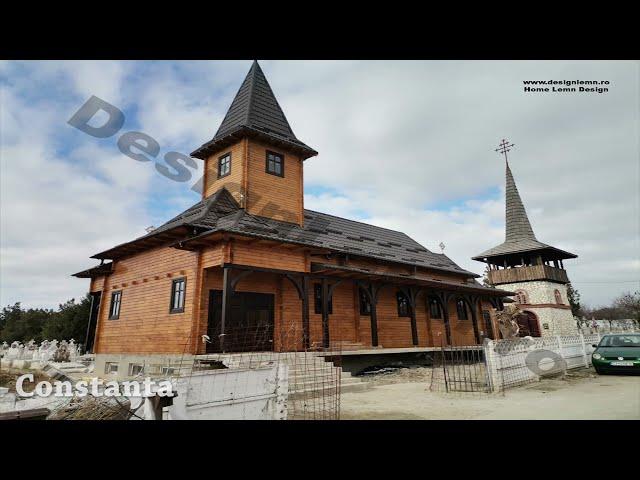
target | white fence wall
x=516, y=362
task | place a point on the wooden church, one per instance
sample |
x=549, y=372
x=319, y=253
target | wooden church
x=248, y=268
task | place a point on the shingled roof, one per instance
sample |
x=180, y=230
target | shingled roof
x=519, y=236
x=221, y=213
x=255, y=112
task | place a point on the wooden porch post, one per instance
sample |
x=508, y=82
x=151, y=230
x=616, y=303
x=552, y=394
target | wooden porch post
x=427, y=312
x=444, y=300
x=325, y=314
x=226, y=298
x=372, y=293
x=474, y=318
x=374, y=318
x=305, y=313
x=411, y=295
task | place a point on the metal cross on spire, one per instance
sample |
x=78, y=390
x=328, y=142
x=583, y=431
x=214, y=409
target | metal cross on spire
x=504, y=147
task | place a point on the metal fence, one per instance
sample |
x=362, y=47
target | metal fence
x=459, y=369
x=502, y=364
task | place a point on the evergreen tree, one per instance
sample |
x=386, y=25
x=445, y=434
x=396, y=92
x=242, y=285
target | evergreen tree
x=23, y=325
x=70, y=321
x=574, y=300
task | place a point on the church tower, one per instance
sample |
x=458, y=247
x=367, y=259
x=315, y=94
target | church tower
x=255, y=154
x=532, y=269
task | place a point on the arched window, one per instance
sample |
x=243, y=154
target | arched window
x=558, y=297
x=365, y=304
x=434, y=308
x=461, y=309
x=403, y=305
x=521, y=297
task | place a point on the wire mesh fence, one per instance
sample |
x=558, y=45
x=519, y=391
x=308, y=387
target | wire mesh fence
x=255, y=372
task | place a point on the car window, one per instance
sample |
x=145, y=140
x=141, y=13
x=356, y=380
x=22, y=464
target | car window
x=621, y=341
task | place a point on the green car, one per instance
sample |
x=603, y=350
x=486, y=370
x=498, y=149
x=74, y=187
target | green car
x=617, y=353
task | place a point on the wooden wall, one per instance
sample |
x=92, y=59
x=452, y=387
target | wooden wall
x=145, y=324
x=267, y=256
x=233, y=181
x=272, y=196
x=266, y=195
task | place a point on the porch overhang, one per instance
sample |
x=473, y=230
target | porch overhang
x=344, y=271
x=97, y=271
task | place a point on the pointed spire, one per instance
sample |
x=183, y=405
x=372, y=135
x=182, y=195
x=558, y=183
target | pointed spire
x=255, y=108
x=517, y=222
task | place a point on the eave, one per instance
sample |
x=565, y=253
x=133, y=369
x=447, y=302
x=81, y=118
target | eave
x=234, y=136
x=97, y=271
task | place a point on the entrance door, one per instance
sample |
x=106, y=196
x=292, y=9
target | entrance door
x=249, y=325
x=93, y=321
x=528, y=323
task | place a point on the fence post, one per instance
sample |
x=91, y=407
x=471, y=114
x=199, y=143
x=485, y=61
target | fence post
x=584, y=351
x=488, y=362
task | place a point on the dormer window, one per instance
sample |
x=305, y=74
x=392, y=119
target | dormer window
x=224, y=165
x=275, y=163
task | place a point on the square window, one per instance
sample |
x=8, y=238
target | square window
x=135, y=369
x=275, y=164
x=224, y=165
x=111, y=368
x=114, y=309
x=178, y=291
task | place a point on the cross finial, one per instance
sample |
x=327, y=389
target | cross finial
x=504, y=147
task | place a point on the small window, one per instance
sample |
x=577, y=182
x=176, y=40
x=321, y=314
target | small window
x=461, y=309
x=178, y=287
x=365, y=304
x=275, y=164
x=434, y=308
x=224, y=165
x=317, y=294
x=135, y=369
x=167, y=370
x=110, y=368
x=558, y=297
x=114, y=309
x=404, y=310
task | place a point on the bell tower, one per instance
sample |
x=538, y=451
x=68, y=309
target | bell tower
x=532, y=269
x=255, y=154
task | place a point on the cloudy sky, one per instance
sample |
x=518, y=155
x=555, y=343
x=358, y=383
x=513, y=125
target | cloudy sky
x=405, y=145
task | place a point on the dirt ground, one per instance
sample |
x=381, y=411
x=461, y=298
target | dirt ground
x=581, y=395
x=9, y=376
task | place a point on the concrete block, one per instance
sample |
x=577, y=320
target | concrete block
x=20, y=364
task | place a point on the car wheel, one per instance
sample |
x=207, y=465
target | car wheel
x=599, y=371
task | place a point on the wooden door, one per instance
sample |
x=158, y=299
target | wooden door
x=528, y=323
x=250, y=322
